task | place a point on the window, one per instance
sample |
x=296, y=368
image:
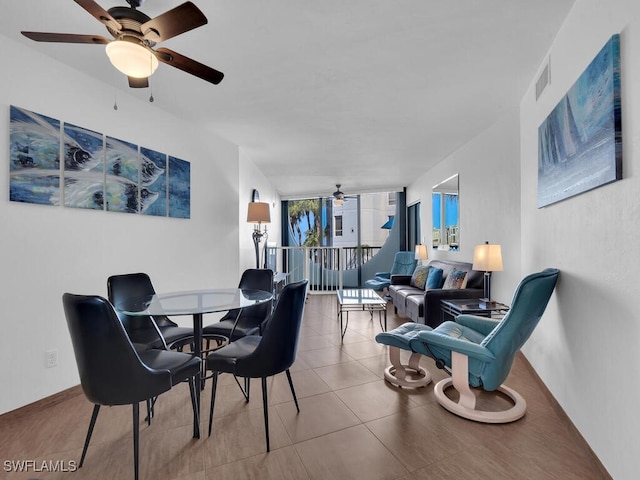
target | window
x=446, y=227
x=338, y=229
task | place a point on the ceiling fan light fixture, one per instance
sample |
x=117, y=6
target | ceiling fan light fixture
x=338, y=196
x=131, y=58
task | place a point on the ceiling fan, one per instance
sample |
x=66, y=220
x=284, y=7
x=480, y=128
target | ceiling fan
x=134, y=37
x=338, y=196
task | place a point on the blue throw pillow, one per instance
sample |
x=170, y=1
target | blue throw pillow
x=434, y=280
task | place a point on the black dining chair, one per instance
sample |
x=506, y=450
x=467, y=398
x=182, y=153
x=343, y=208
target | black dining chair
x=249, y=319
x=113, y=372
x=157, y=331
x=255, y=356
x=238, y=323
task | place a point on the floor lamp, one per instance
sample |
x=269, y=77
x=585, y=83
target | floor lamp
x=487, y=258
x=258, y=213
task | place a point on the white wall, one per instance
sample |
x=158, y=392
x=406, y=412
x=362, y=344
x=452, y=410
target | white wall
x=586, y=347
x=489, y=176
x=46, y=251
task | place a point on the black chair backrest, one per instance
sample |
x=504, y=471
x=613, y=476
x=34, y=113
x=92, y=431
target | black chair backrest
x=111, y=372
x=279, y=344
x=134, y=285
x=254, y=279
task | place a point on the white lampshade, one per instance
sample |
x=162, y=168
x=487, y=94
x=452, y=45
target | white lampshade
x=421, y=252
x=132, y=59
x=487, y=257
x=258, y=212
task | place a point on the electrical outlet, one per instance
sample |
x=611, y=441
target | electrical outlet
x=51, y=358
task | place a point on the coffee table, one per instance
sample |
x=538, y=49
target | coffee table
x=360, y=299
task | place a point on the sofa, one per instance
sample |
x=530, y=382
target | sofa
x=418, y=296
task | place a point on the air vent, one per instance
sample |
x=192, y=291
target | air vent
x=543, y=80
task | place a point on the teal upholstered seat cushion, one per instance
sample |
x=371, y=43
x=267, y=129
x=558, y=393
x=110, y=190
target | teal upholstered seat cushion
x=434, y=280
x=419, y=277
x=401, y=336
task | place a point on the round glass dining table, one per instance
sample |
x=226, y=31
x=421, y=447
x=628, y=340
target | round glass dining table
x=195, y=303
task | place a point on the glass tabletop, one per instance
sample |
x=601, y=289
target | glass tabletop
x=194, y=302
x=359, y=296
x=473, y=305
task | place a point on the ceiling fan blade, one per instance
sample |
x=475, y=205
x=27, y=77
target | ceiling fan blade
x=178, y=20
x=65, y=38
x=100, y=14
x=188, y=65
x=138, y=82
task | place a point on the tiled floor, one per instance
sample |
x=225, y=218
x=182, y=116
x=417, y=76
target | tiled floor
x=351, y=425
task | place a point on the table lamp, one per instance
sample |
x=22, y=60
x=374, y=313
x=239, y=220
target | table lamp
x=488, y=258
x=421, y=253
x=258, y=213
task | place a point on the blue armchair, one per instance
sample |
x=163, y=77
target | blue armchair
x=404, y=263
x=480, y=351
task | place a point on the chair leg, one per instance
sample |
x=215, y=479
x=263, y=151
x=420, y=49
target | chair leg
x=151, y=403
x=245, y=390
x=148, y=419
x=196, y=409
x=136, y=439
x=293, y=391
x=92, y=423
x=214, y=385
x=266, y=410
x=460, y=379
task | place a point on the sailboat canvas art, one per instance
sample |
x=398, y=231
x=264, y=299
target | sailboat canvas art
x=580, y=142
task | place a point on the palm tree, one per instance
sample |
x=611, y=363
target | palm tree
x=300, y=210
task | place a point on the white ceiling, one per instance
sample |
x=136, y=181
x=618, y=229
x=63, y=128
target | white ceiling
x=364, y=93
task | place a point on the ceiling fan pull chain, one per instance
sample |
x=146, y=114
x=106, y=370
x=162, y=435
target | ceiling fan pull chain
x=151, y=73
x=115, y=92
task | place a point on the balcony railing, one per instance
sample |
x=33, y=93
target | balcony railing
x=326, y=268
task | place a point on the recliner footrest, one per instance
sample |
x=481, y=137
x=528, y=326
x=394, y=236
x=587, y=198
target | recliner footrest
x=400, y=338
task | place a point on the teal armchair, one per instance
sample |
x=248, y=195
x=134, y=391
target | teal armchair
x=404, y=263
x=480, y=351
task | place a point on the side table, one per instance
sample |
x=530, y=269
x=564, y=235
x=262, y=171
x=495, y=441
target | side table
x=471, y=306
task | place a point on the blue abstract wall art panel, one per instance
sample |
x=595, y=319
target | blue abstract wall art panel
x=83, y=168
x=179, y=188
x=580, y=142
x=34, y=158
x=153, y=182
x=121, y=186
x=96, y=172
